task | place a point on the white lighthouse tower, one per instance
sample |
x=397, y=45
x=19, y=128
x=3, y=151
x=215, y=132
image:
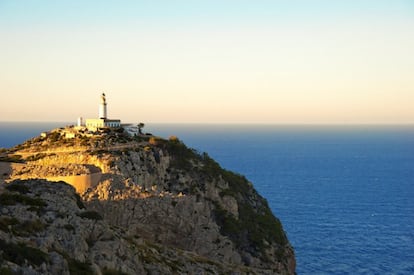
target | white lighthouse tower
x=93, y=124
x=102, y=107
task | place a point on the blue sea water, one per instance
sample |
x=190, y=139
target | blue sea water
x=345, y=194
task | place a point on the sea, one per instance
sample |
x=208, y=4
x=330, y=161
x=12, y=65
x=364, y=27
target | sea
x=344, y=193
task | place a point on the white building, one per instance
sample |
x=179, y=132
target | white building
x=94, y=124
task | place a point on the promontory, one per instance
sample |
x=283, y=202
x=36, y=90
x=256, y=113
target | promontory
x=107, y=202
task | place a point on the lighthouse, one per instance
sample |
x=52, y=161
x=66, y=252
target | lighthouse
x=93, y=124
x=102, y=107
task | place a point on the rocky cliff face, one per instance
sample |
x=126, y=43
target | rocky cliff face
x=158, y=208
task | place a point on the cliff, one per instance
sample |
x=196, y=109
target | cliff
x=153, y=206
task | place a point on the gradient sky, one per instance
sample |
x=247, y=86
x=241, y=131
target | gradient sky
x=231, y=61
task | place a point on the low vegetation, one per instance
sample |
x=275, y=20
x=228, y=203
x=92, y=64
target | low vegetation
x=36, y=157
x=12, y=158
x=24, y=229
x=79, y=202
x=111, y=271
x=92, y=215
x=256, y=226
x=182, y=156
x=252, y=231
x=20, y=253
x=79, y=268
x=14, y=198
x=18, y=187
x=7, y=222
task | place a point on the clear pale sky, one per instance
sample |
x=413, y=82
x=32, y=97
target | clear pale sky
x=231, y=61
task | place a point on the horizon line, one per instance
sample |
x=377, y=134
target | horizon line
x=67, y=123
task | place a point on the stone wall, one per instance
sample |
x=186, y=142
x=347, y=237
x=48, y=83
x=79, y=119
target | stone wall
x=81, y=183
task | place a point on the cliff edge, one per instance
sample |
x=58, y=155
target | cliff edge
x=144, y=205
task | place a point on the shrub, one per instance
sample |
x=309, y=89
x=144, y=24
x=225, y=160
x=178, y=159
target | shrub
x=28, y=228
x=79, y=202
x=36, y=157
x=7, y=271
x=119, y=130
x=252, y=228
x=92, y=215
x=12, y=158
x=79, y=268
x=6, y=221
x=13, y=198
x=181, y=155
x=98, y=152
x=84, y=142
x=18, y=228
x=19, y=253
x=229, y=226
x=210, y=166
x=110, y=271
x=69, y=227
x=18, y=187
x=55, y=136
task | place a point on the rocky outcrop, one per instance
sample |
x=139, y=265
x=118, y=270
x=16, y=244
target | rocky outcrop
x=45, y=229
x=164, y=207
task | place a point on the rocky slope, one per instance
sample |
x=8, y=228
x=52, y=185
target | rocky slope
x=158, y=208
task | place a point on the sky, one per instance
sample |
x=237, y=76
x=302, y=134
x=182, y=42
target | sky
x=216, y=61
